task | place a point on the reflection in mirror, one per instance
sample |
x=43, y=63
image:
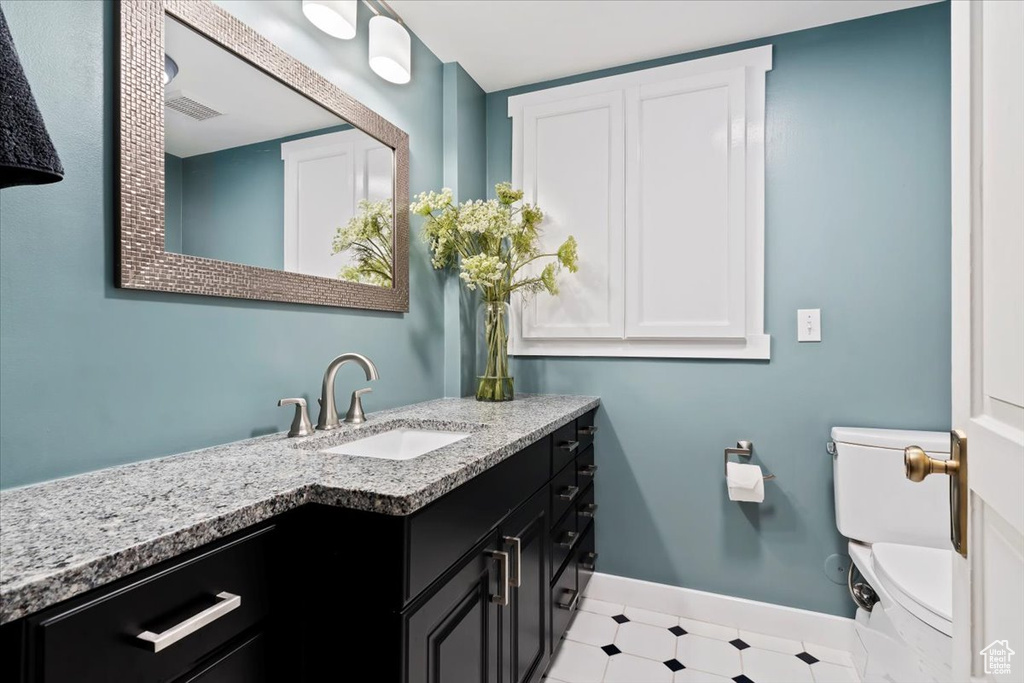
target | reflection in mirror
x=257, y=174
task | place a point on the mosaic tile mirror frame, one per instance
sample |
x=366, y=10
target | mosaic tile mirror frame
x=145, y=262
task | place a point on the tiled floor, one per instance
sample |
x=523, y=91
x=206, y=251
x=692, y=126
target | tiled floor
x=608, y=643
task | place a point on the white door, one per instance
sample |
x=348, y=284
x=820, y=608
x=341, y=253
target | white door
x=988, y=333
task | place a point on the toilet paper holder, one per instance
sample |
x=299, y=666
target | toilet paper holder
x=745, y=449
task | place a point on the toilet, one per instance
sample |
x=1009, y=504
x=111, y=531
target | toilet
x=898, y=535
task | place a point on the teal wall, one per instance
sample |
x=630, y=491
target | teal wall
x=858, y=224
x=172, y=203
x=465, y=172
x=96, y=376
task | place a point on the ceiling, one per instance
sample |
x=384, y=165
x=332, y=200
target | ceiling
x=254, y=106
x=506, y=43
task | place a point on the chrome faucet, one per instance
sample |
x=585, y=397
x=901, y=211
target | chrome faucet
x=328, y=410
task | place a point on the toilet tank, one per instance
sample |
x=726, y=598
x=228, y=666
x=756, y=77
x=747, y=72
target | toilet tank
x=875, y=502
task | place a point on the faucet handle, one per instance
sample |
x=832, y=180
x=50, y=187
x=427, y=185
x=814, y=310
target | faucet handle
x=301, y=426
x=355, y=413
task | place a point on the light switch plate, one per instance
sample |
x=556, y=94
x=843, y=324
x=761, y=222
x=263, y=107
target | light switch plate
x=808, y=325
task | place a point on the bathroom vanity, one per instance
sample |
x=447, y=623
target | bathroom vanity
x=274, y=559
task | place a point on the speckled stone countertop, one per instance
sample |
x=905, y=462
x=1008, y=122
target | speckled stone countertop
x=61, y=538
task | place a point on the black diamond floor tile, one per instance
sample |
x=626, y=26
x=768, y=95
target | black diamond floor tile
x=611, y=650
x=807, y=658
x=742, y=679
x=677, y=631
x=674, y=664
x=621, y=618
x=738, y=644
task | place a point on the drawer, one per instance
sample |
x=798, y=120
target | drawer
x=439, y=534
x=564, y=536
x=564, y=491
x=564, y=599
x=246, y=662
x=586, y=558
x=586, y=508
x=211, y=598
x=564, y=447
x=586, y=468
x=585, y=428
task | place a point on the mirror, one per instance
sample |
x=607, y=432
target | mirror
x=245, y=173
x=257, y=174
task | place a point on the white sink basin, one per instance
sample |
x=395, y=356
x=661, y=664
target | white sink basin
x=404, y=443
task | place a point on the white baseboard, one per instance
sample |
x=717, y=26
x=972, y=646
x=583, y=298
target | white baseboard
x=749, y=615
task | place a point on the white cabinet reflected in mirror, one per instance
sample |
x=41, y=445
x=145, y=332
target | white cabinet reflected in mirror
x=258, y=174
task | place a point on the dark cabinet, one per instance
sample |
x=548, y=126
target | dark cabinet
x=453, y=632
x=246, y=663
x=525, y=618
x=479, y=586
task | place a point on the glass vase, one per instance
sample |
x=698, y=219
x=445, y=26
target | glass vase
x=493, y=369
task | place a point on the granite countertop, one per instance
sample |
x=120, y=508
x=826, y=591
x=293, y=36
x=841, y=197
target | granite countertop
x=64, y=537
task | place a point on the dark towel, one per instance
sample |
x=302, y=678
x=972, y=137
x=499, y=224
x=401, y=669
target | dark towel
x=27, y=156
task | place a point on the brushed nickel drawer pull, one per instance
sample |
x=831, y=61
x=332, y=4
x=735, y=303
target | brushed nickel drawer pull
x=587, y=510
x=587, y=431
x=569, y=492
x=588, y=470
x=571, y=604
x=517, y=576
x=568, y=539
x=159, y=641
x=587, y=561
x=570, y=446
x=502, y=597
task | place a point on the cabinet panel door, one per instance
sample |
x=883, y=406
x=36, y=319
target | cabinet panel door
x=453, y=634
x=525, y=622
x=686, y=236
x=573, y=169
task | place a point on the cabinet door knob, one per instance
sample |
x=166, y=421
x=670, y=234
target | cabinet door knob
x=588, y=470
x=589, y=430
x=570, y=446
x=587, y=510
x=502, y=597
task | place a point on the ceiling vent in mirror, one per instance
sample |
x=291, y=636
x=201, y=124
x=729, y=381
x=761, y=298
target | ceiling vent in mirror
x=180, y=102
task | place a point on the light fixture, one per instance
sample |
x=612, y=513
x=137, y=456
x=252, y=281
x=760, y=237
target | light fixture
x=170, y=69
x=390, y=50
x=334, y=17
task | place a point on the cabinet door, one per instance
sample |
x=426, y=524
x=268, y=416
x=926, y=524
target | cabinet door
x=572, y=166
x=453, y=633
x=524, y=645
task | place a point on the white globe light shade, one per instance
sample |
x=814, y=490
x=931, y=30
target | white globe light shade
x=334, y=17
x=390, y=50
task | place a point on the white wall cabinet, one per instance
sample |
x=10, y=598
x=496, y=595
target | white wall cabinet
x=660, y=176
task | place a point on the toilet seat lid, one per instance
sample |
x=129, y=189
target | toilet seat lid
x=920, y=580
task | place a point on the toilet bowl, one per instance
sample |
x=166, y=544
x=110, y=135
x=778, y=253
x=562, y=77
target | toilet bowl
x=899, y=543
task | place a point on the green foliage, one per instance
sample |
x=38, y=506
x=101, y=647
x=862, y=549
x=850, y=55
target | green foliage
x=492, y=242
x=369, y=236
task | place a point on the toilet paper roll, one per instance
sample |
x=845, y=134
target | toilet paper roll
x=745, y=482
